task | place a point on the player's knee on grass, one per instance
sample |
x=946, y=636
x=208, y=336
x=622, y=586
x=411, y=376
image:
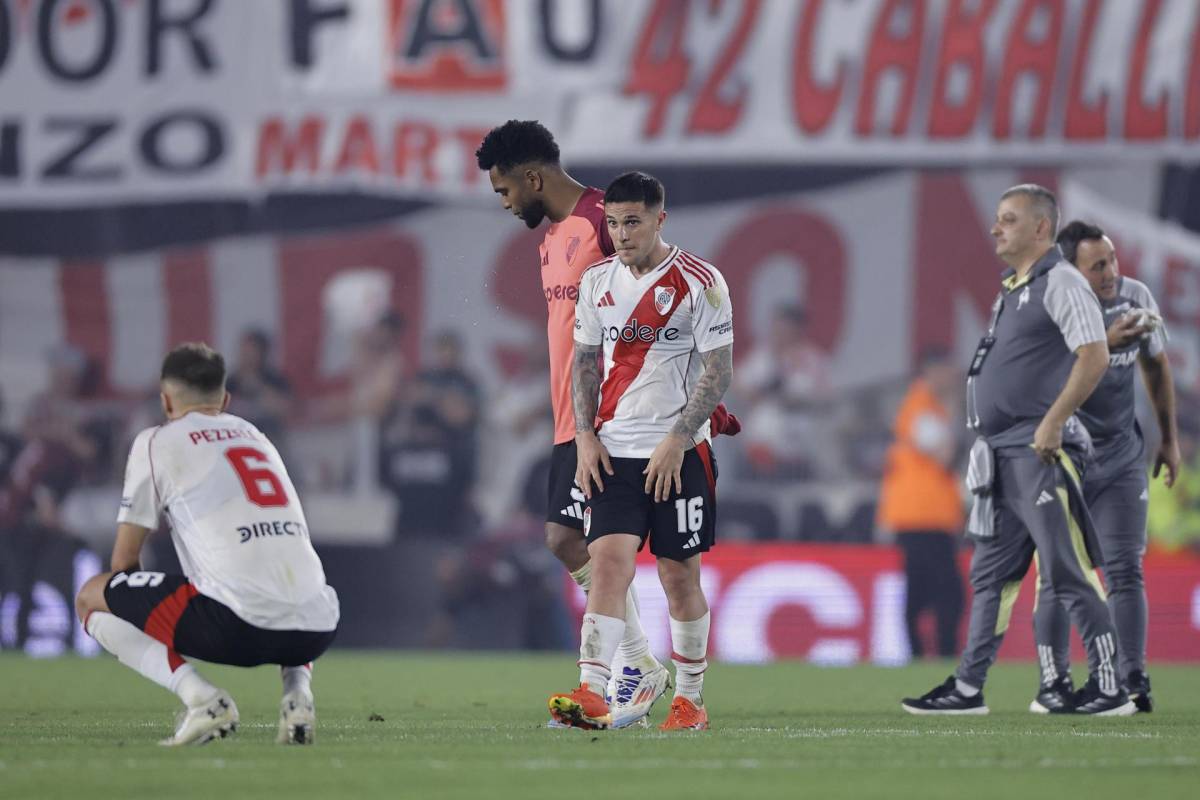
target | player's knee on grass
x=567, y=544
x=91, y=596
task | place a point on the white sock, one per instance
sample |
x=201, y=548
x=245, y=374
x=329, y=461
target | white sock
x=583, y=576
x=965, y=689
x=689, y=650
x=634, y=645
x=149, y=657
x=297, y=679
x=598, y=636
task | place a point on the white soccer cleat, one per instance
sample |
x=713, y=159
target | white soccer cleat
x=634, y=690
x=297, y=719
x=213, y=719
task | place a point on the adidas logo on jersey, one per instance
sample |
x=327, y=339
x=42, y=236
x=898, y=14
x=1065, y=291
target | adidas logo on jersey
x=692, y=542
x=607, y=300
x=1043, y=498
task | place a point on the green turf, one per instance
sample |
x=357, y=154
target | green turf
x=472, y=726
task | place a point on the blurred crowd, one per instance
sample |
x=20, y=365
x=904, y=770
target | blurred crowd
x=461, y=464
x=458, y=456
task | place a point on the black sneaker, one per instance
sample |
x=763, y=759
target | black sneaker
x=1090, y=700
x=1138, y=686
x=1057, y=698
x=945, y=699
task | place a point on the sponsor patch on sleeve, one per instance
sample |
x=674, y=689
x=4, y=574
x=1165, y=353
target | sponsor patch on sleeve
x=722, y=327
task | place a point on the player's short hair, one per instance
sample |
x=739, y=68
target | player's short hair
x=1042, y=199
x=1075, y=232
x=516, y=142
x=197, y=367
x=636, y=187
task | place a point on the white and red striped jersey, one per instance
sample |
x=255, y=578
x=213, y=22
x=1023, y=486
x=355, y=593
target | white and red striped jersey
x=235, y=517
x=653, y=329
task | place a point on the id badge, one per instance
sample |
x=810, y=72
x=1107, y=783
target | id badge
x=981, y=353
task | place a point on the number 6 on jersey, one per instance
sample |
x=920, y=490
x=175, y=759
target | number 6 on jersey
x=261, y=484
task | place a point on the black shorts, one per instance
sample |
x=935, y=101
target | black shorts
x=168, y=608
x=565, y=499
x=679, y=528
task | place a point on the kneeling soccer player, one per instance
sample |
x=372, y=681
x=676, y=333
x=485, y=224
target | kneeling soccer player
x=665, y=322
x=253, y=591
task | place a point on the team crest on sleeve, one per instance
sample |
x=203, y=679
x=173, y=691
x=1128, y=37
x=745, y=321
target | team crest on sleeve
x=663, y=295
x=714, y=297
x=572, y=249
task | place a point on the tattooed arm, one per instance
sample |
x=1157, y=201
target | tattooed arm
x=585, y=386
x=663, y=470
x=585, y=397
x=718, y=374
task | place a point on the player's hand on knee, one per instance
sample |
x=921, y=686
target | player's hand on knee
x=663, y=471
x=592, y=457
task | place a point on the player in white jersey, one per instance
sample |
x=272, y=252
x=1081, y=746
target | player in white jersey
x=253, y=590
x=665, y=323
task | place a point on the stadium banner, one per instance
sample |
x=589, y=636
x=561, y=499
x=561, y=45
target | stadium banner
x=929, y=266
x=840, y=605
x=109, y=100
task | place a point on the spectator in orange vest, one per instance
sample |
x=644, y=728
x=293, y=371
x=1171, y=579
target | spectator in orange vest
x=920, y=502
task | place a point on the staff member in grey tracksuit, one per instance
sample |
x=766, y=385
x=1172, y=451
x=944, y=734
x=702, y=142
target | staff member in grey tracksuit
x=1114, y=483
x=1044, y=353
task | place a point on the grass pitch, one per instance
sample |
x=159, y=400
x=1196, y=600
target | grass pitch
x=472, y=726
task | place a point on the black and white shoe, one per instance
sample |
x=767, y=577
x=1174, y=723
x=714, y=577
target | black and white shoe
x=1057, y=698
x=1138, y=687
x=1090, y=700
x=945, y=699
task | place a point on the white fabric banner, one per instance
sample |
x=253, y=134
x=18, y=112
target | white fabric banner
x=104, y=101
x=884, y=267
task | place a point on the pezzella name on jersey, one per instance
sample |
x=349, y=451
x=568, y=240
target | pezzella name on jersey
x=632, y=331
x=256, y=530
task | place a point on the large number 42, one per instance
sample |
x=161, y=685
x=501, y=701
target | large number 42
x=661, y=69
x=261, y=484
x=689, y=514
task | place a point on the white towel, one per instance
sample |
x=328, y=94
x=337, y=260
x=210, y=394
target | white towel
x=981, y=472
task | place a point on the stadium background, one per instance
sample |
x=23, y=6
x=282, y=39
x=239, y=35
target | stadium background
x=197, y=169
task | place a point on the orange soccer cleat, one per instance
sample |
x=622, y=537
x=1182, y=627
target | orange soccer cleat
x=685, y=716
x=582, y=708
